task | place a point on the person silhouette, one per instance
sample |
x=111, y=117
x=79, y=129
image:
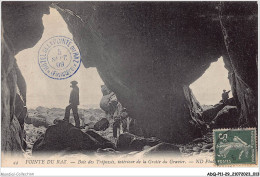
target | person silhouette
x=73, y=104
x=225, y=96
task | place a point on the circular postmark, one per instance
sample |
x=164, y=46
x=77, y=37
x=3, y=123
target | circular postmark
x=59, y=57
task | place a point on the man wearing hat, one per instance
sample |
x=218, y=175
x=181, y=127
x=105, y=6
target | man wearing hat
x=225, y=96
x=74, y=102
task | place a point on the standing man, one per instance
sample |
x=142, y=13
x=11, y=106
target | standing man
x=74, y=102
x=225, y=96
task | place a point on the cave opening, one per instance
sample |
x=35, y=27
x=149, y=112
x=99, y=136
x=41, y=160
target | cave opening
x=209, y=87
x=47, y=98
x=57, y=91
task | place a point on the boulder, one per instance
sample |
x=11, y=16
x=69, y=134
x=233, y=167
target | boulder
x=124, y=140
x=39, y=144
x=196, y=149
x=64, y=136
x=102, y=142
x=207, y=146
x=90, y=125
x=28, y=120
x=57, y=121
x=42, y=110
x=106, y=151
x=130, y=142
x=226, y=118
x=162, y=150
x=37, y=122
x=102, y=124
x=209, y=114
x=231, y=102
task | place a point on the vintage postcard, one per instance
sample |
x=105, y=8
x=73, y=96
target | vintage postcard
x=130, y=84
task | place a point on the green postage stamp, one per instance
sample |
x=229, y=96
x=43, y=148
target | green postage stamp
x=235, y=146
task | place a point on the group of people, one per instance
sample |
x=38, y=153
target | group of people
x=121, y=122
x=74, y=102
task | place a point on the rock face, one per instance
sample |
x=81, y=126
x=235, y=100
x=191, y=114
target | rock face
x=241, y=57
x=210, y=113
x=64, y=136
x=226, y=118
x=153, y=55
x=146, y=53
x=18, y=32
x=20, y=110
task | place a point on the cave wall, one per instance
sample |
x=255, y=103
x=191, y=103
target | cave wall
x=146, y=52
x=150, y=52
x=239, y=26
x=9, y=123
x=21, y=28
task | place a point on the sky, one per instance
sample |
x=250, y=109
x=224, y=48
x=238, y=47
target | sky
x=209, y=87
x=47, y=92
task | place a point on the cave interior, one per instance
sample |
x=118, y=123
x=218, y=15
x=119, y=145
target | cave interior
x=148, y=53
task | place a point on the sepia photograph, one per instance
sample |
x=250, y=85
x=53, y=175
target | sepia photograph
x=130, y=84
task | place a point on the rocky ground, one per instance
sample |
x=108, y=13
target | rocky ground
x=40, y=118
